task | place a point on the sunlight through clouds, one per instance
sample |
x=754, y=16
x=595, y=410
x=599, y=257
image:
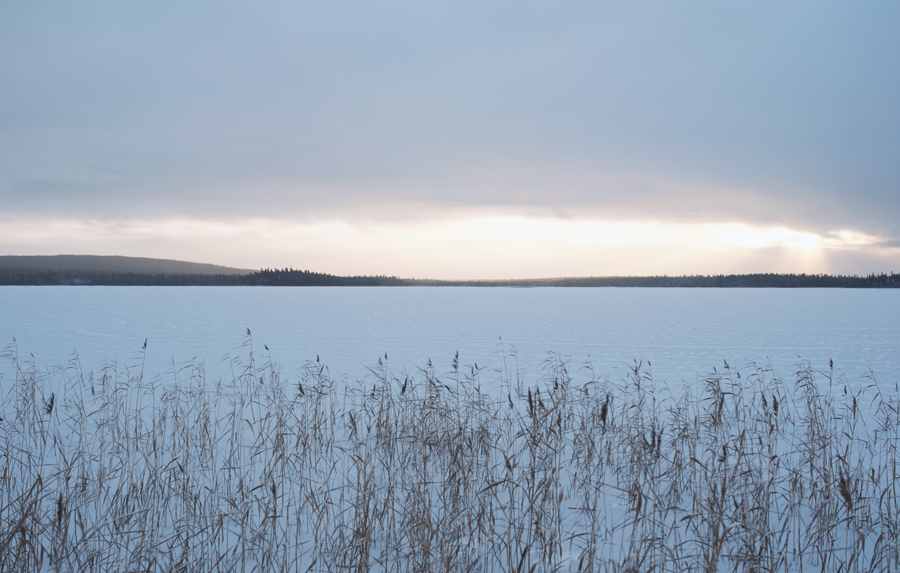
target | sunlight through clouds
x=485, y=247
x=743, y=236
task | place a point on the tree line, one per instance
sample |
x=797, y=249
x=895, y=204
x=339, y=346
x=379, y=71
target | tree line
x=291, y=277
x=758, y=280
x=263, y=277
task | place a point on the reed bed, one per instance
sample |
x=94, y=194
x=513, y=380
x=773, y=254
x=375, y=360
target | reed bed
x=464, y=469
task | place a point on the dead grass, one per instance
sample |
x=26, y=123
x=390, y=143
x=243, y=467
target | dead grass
x=464, y=470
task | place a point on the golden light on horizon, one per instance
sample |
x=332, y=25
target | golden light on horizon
x=476, y=247
x=743, y=236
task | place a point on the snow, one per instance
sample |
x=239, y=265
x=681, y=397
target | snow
x=682, y=333
x=608, y=429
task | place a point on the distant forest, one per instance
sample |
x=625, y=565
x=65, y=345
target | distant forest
x=265, y=277
x=291, y=277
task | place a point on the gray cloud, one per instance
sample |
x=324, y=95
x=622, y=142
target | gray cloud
x=764, y=113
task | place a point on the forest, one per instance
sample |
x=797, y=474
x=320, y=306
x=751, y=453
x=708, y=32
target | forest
x=292, y=277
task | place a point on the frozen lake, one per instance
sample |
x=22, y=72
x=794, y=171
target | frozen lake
x=683, y=333
x=136, y=473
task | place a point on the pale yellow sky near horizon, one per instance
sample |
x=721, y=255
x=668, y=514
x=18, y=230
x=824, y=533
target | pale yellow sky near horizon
x=465, y=248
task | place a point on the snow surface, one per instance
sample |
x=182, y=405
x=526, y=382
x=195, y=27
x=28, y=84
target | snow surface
x=683, y=333
x=172, y=457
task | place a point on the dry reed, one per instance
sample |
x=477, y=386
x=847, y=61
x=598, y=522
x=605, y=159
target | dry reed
x=427, y=471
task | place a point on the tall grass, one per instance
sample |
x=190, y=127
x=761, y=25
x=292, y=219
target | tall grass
x=463, y=470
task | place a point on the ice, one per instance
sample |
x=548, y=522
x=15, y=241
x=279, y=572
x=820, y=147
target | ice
x=679, y=334
x=325, y=429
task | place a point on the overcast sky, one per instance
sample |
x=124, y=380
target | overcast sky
x=455, y=139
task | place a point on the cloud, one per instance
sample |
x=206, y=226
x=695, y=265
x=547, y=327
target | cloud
x=764, y=114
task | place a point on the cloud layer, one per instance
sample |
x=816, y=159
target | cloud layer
x=766, y=115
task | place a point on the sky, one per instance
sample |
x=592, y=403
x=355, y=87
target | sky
x=463, y=139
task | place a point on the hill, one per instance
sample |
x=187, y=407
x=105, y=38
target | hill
x=137, y=271
x=115, y=264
